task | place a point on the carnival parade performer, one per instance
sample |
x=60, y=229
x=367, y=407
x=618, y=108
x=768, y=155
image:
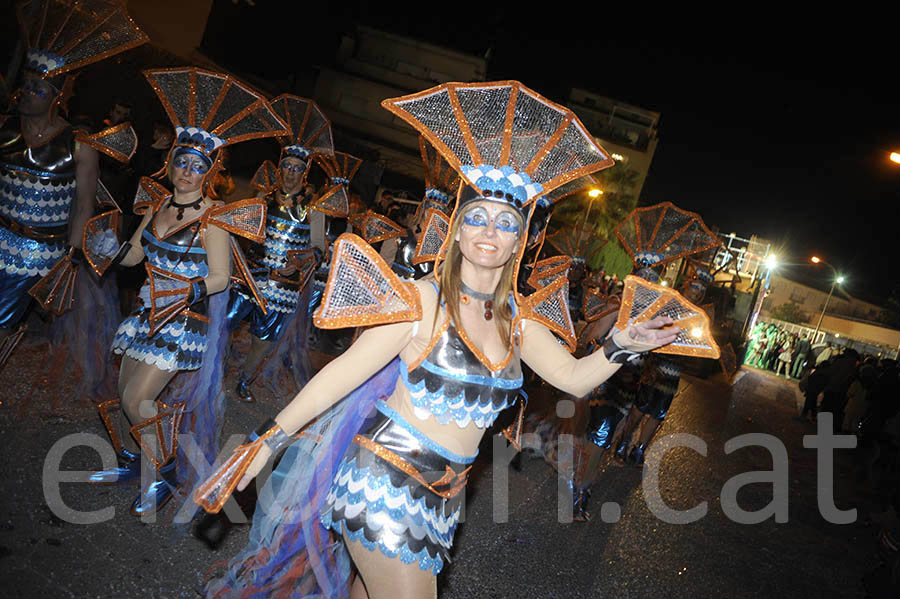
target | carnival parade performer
x=48, y=171
x=279, y=333
x=676, y=234
x=184, y=236
x=412, y=255
x=443, y=363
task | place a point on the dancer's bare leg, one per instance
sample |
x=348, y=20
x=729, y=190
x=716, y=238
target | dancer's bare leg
x=259, y=349
x=139, y=386
x=387, y=578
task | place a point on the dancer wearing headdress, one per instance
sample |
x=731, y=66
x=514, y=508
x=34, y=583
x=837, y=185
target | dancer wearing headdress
x=654, y=237
x=576, y=461
x=295, y=244
x=184, y=236
x=48, y=171
x=443, y=363
x=412, y=255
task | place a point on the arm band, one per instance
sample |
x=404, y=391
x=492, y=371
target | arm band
x=276, y=440
x=120, y=255
x=198, y=292
x=615, y=354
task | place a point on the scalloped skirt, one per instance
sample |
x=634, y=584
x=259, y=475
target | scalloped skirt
x=179, y=345
x=378, y=497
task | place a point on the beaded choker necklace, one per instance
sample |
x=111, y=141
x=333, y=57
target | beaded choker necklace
x=468, y=294
x=182, y=207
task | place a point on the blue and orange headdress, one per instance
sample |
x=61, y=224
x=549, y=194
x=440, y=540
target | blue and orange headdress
x=508, y=143
x=209, y=111
x=61, y=36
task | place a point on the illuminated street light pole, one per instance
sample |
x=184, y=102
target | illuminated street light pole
x=836, y=280
x=593, y=194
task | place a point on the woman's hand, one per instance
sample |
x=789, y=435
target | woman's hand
x=255, y=466
x=647, y=335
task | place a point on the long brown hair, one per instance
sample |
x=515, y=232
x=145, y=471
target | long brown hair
x=450, y=280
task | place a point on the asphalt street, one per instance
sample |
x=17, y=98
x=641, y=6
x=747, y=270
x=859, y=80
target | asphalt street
x=530, y=555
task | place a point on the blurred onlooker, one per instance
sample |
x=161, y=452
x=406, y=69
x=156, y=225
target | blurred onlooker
x=825, y=354
x=815, y=385
x=803, y=347
x=119, y=113
x=843, y=371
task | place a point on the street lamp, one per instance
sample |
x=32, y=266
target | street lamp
x=593, y=194
x=895, y=157
x=837, y=279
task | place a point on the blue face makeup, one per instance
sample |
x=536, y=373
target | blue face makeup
x=504, y=222
x=195, y=165
x=293, y=168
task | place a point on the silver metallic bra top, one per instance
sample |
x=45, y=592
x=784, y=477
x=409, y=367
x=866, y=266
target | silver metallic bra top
x=453, y=384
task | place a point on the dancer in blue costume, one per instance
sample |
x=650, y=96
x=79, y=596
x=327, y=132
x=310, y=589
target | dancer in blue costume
x=675, y=234
x=184, y=236
x=279, y=334
x=393, y=494
x=48, y=174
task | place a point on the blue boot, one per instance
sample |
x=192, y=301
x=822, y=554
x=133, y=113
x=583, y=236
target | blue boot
x=636, y=457
x=128, y=470
x=579, y=503
x=158, y=494
x=243, y=389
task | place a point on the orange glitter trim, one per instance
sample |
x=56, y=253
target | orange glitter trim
x=456, y=481
x=699, y=320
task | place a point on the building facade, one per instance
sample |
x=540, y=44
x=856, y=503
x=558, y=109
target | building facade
x=812, y=301
x=372, y=65
x=628, y=132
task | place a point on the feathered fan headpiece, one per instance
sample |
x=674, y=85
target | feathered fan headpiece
x=657, y=235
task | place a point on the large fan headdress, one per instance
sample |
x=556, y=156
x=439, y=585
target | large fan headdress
x=441, y=180
x=503, y=138
x=578, y=241
x=309, y=130
x=509, y=143
x=210, y=110
x=657, y=235
x=64, y=35
x=335, y=197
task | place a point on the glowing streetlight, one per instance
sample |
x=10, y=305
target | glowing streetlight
x=837, y=280
x=771, y=261
x=595, y=193
x=895, y=157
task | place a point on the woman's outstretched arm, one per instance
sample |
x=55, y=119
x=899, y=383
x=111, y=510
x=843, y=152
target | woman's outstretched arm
x=578, y=376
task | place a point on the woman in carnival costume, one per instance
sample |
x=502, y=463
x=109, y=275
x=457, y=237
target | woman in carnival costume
x=444, y=362
x=278, y=317
x=48, y=180
x=654, y=237
x=184, y=236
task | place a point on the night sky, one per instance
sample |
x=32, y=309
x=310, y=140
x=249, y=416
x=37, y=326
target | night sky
x=771, y=125
x=777, y=130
